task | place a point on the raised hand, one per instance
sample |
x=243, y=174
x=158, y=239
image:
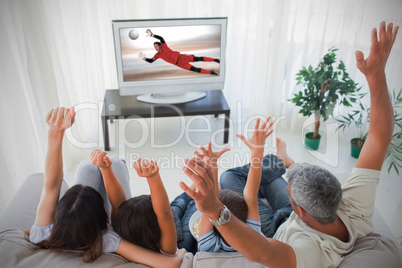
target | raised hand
x=204, y=195
x=100, y=159
x=257, y=139
x=213, y=156
x=146, y=168
x=149, y=33
x=60, y=119
x=141, y=55
x=379, y=51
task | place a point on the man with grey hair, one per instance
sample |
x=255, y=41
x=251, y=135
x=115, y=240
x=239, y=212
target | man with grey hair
x=327, y=220
x=316, y=190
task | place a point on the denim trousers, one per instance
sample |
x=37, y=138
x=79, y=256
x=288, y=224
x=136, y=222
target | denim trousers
x=90, y=175
x=183, y=206
x=272, y=187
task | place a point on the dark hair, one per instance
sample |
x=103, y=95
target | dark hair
x=79, y=221
x=235, y=203
x=158, y=43
x=135, y=221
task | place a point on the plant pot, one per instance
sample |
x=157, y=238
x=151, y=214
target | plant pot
x=312, y=144
x=355, y=149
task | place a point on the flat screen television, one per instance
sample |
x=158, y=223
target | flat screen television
x=170, y=60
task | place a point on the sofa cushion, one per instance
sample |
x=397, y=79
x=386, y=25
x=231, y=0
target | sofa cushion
x=21, y=212
x=222, y=260
x=373, y=250
x=16, y=251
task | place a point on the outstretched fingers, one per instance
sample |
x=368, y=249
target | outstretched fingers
x=383, y=35
x=268, y=129
x=264, y=125
x=374, y=42
x=49, y=116
x=200, y=173
x=257, y=124
x=391, y=36
x=222, y=151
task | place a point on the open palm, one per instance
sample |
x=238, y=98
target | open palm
x=260, y=134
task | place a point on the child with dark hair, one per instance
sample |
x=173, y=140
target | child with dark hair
x=244, y=208
x=144, y=220
x=183, y=206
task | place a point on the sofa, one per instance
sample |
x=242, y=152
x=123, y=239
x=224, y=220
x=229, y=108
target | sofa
x=376, y=250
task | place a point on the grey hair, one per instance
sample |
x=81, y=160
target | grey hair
x=316, y=190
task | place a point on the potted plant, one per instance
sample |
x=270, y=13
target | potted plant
x=323, y=87
x=394, y=154
x=359, y=117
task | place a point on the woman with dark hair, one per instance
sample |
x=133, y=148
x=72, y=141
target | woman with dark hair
x=79, y=220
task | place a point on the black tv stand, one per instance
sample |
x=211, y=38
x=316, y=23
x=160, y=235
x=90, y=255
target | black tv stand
x=121, y=107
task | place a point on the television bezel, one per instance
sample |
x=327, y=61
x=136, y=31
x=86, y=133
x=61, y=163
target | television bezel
x=173, y=85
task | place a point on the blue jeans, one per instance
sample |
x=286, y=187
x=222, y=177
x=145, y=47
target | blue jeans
x=183, y=206
x=273, y=187
x=90, y=175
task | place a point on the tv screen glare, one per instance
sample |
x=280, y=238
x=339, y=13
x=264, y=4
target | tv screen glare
x=170, y=55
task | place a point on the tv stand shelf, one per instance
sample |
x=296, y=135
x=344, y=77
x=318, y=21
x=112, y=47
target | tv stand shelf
x=122, y=107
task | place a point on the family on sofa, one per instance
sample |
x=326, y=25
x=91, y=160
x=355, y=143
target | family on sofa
x=311, y=221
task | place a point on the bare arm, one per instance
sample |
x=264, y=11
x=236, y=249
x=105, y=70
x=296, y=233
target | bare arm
x=212, y=158
x=256, y=144
x=147, y=257
x=58, y=120
x=113, y=187
x=241, y=237
x=381, y=113
x=160, y=204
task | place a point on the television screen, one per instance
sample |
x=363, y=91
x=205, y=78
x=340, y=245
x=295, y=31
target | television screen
x=184, y=47
x=170, y=55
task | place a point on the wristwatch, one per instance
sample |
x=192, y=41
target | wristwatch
x=224, y=217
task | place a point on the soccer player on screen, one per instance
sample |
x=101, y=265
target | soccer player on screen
x=175, y=57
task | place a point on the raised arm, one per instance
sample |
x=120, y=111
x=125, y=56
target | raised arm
x=381, y=113
x=160, y=203
x=150, y=34
x=59, y=120
x=241, y=237
x=213, y=160
x=205, y=224
x=148, y=257
x=142, y=56
x=113, y=187
x=256, y=144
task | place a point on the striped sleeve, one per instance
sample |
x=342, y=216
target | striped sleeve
x=256, y=225
x=207, y=242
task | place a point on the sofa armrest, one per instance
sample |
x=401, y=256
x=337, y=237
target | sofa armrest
x=373, y=250
x=21, y=212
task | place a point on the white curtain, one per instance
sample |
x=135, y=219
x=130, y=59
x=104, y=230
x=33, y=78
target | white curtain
x=315, y=26
x=60, y=53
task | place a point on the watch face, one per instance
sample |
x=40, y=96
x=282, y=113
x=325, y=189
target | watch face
x=226, y=215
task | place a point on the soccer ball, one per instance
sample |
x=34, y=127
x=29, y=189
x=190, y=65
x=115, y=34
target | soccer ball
x=133, y=34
